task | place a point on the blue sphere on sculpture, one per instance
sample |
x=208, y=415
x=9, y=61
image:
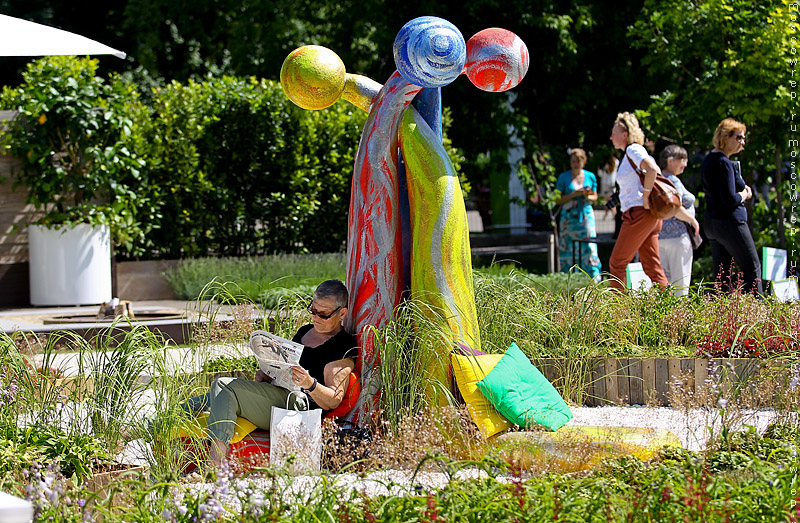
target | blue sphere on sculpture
x=430, y=52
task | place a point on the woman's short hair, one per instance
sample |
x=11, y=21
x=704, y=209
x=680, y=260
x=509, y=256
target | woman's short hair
x=672, y=151
x=631, y=124
x=578, y=153
x=725, y=130
x=334, y=289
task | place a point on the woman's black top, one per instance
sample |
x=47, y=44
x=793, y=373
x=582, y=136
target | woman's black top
x=722, y=183
x=342, y=345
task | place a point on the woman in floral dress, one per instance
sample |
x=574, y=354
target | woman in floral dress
x=578, y=189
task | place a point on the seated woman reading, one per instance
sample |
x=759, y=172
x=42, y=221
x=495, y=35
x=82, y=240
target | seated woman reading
x=323, y=374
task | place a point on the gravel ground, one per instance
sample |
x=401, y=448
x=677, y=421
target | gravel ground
x=693, y=428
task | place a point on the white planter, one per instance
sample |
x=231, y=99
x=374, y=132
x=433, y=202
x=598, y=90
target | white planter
x=70, y=266
x=14, y=509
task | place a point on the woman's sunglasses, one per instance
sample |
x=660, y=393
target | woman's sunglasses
x=315, y=312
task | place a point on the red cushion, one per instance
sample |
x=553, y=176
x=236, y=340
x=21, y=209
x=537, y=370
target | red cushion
x=251, y=452
x=190, y=454
x=349, y=400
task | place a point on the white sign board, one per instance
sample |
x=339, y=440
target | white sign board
x=786, y=290
x=773, y=264
x=637, y=279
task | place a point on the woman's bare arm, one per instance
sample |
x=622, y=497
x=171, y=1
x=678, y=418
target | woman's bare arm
x=327, y=395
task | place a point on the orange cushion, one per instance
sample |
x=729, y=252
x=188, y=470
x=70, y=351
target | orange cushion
x=349, y=400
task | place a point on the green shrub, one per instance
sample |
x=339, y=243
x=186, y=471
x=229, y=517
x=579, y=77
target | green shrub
x=223, y=166
x=239, y=170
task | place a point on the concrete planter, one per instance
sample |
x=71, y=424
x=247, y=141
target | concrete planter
x=70, y=266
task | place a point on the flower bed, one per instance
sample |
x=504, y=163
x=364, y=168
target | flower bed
x=566, y=334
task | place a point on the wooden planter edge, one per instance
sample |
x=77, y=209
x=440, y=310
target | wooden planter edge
x=650, y=381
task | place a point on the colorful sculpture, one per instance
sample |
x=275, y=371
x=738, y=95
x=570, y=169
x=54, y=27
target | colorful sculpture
x=407, y=226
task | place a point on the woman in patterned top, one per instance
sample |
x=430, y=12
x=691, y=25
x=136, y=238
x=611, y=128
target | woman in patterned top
x=674, y=245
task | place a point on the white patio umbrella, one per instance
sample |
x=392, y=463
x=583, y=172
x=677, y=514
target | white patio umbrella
x=22, y=38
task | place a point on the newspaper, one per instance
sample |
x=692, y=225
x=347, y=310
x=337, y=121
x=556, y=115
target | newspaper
x=276, y=356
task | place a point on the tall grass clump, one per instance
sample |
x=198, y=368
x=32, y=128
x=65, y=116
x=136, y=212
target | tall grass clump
x=740, y=325
x=120, y=375
x=664, y=323
x=508, y=311
x=414, y=348
x=171, y=455
x=255, y=276
x=78, y=411
x=565, y=322
x=42, y=381
x=557, y=319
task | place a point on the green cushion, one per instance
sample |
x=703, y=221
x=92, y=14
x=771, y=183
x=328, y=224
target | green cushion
x=522, y=394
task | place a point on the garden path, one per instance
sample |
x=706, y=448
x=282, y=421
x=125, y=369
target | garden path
x=693, y=427
x=33, y=318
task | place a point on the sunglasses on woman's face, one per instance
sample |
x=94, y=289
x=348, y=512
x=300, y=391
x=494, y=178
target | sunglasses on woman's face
x=314, y=312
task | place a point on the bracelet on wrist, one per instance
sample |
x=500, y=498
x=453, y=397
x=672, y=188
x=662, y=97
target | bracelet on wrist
x=312, y=387
x=647, y=190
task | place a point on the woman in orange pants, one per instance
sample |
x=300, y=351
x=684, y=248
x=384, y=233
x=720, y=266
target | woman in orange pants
x=640, y=229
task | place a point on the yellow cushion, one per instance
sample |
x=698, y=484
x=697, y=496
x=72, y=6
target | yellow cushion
x=469, y=370
x=198, y=429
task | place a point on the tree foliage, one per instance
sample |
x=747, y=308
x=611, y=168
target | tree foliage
x=579, y=57
x=725, y=58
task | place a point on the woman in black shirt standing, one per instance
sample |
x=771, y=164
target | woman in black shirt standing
x=726, y=215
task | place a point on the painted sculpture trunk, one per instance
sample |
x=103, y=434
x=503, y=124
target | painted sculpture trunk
x=374, y=239
x=441, y=262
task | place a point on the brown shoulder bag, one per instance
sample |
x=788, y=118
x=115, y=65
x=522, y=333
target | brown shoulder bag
x=664, y=198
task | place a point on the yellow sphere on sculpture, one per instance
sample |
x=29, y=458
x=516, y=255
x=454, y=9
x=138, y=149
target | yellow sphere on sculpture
x=313, y=77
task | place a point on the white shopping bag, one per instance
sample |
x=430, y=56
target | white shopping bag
x=295, y=439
